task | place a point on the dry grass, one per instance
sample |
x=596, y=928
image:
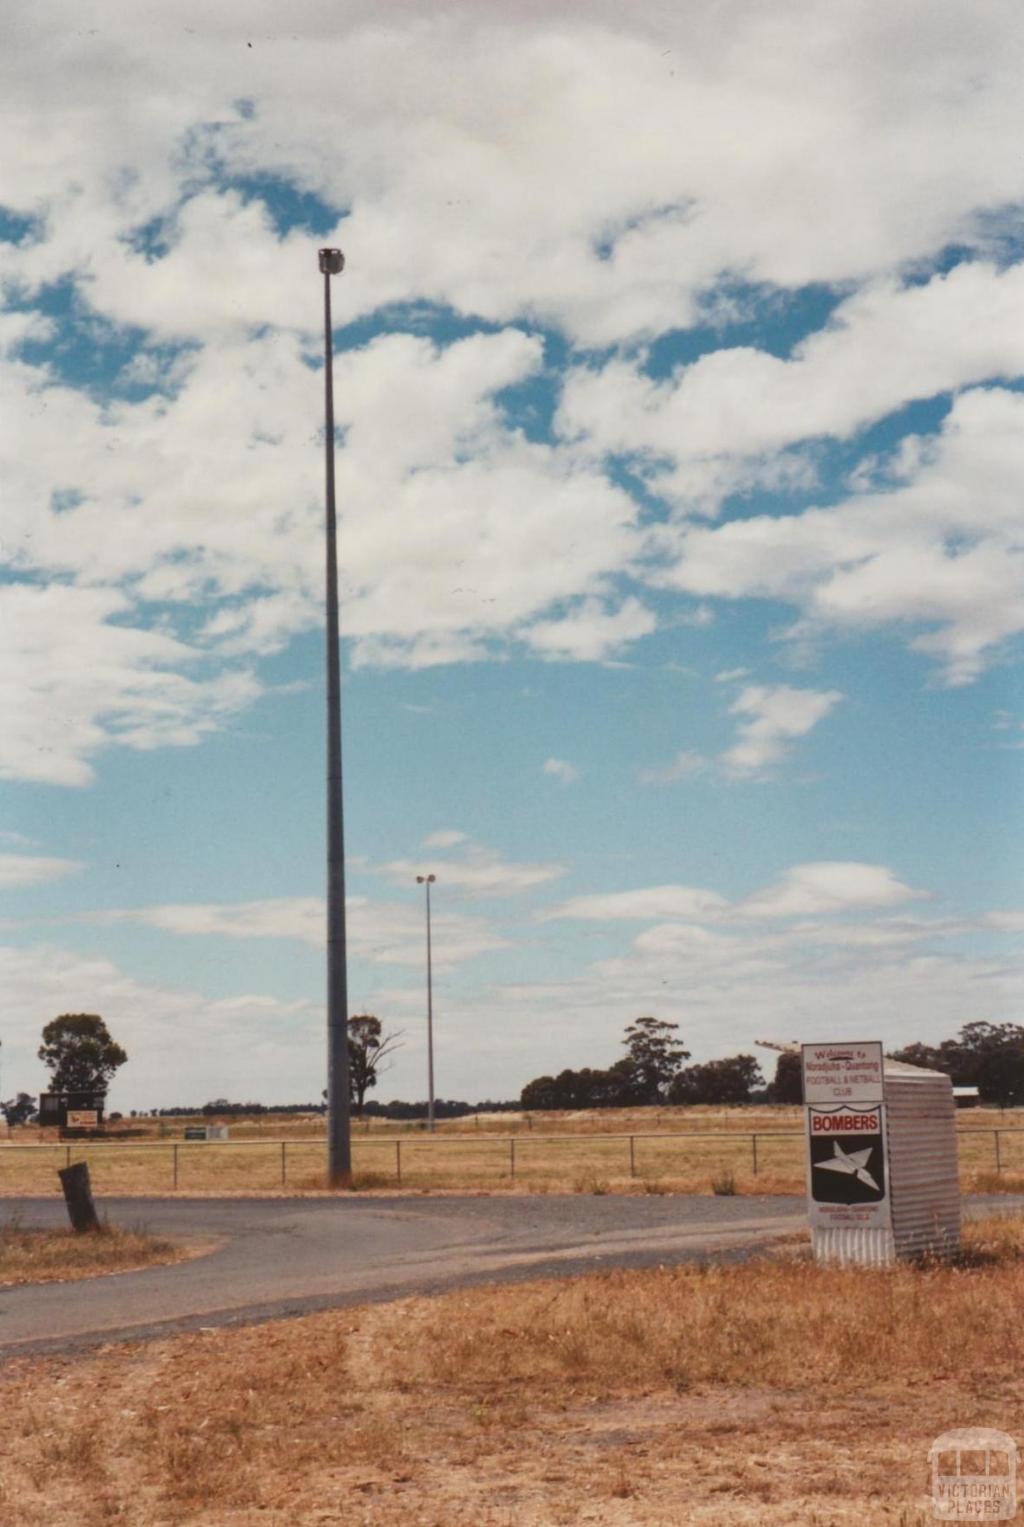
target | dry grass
x=558, y=1155
x=770, y=1392
x=50, y=1256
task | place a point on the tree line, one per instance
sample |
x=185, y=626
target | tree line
x=984, y=1055
x=651, y=1071
x=81, y=1056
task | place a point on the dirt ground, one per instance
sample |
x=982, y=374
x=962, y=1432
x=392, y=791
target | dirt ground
x=769, y=1392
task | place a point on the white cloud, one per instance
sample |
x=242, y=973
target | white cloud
x=183, y=1046
x=684, y=766
x=953, y=330
x=658, y=901
x=936, y=555
x=591, y=633
x=505, y=188
x=477, y=872
x=773, y=716
x=456, y=532
x=73, y=682
x=829, y=886
x=1006, y=922
x=507, y=183
x=804, y=890
x=448, y=837
x=382, y=933
x=29, y=869
x=562, y=770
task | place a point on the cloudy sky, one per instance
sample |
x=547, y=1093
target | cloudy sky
x=681, y=441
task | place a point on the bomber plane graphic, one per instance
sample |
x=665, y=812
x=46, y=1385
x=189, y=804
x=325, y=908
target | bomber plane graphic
x=852, y=1163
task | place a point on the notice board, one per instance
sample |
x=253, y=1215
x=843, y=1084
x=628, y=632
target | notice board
x=847, y=1159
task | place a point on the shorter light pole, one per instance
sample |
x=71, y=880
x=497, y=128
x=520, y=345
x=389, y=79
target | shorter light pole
x=428, y=881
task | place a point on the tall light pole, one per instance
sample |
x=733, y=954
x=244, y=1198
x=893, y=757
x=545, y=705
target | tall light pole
x=339, y=1131
x=428, y=881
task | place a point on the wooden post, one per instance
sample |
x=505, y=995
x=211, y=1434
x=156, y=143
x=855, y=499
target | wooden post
x=284, y=1176
x=632, y=1158
x=78, y=1197
x=753, y=1147
x=999, y=1159
x=398, y=1162
x=174, y=1151
x=512, y=1158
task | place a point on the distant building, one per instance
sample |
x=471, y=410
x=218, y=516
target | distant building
x=81, y=1110
x=966, y=1097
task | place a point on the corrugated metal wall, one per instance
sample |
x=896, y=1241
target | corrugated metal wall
x=923, y=1179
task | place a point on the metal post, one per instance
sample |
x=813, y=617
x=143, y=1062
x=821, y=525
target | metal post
x=339, y=1141
x=284, y=1174
x=753, y=1147
x=999, y=1159
x=398, y=1162
x=512, y=1159
x=428, y=881
x=174, y=1155
x=632, y=1157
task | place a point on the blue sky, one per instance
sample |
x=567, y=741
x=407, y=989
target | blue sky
x=681, y=432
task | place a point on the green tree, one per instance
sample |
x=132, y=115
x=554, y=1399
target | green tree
x=19, y=1110
x=717, y=1081
x=79, y=1053
x=989, y=1056
x=540, y=1094
x=367, y=1047
x=788, y=1084
x=654, y=1056
x=568, y=1090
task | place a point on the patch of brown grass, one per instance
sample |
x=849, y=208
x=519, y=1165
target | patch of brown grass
x=772, y=1391
x=993, y=1182
x=757, y=1323
x=49, y=1256
x=682, y=1148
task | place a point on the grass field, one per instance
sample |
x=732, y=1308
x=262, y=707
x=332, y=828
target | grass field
x=50, y=1256
x=769, y=1392
x=690, y=1150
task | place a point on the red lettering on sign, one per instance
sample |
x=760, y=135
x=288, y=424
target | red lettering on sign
x=844, y=1123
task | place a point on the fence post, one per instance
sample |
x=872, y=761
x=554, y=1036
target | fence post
x=174, y=1154
x=632, y=1157
x=284, y=1173
x=67, y=1156
x=512, y=1158
x=999, y=1159
x=753, y=1146
x=398, y=1162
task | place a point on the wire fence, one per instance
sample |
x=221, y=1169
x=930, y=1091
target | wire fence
x=451, y=1160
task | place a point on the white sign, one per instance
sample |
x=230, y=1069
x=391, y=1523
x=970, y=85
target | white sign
x=843, y=1073
x=847, y=1169
x=974, y=1475
x=83, y=1118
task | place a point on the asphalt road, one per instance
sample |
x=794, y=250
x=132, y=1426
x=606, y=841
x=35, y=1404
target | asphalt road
x=279, y=1257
